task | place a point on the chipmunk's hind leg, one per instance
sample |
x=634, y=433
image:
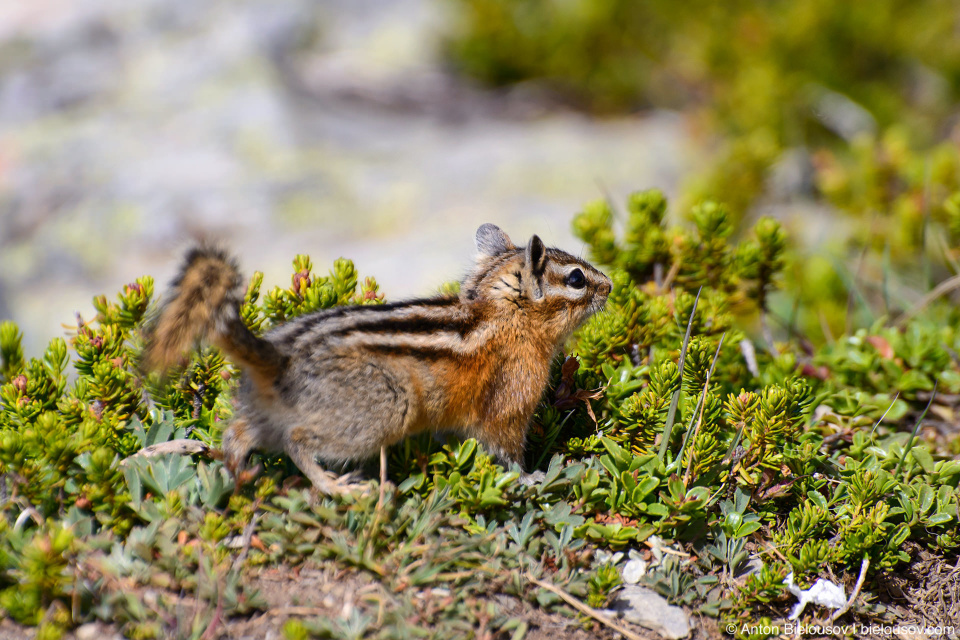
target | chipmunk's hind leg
x=349, y=409
x=352, y=407
x=301, y=445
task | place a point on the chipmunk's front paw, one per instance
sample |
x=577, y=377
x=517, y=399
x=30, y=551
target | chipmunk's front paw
x=241, y=474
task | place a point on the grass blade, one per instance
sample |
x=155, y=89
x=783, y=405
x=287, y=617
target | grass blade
x=943, y=288
x=872, y=431
x=699, y=411
x=886, y=278
x=672, y=414
x=916, y=427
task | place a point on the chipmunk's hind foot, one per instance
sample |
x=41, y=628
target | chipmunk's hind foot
x=327, y=482
x=300, y=446
x=331, y=484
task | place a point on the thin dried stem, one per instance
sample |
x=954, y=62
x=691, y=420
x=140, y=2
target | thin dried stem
x=584, y=609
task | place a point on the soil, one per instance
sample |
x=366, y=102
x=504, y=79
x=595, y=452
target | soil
x=925, y=593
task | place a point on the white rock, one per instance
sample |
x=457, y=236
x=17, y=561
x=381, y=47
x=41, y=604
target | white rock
x=88, y=631
x=633, y=571
x=648, y=609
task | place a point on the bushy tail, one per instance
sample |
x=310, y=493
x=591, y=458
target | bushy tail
x=204, y=302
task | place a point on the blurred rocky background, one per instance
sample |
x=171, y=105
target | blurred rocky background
x=130, y=128
x=387, y=131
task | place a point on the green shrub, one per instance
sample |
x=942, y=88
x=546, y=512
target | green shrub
x=673, y=419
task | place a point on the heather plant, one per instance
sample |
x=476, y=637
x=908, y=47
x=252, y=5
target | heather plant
x=676, y=419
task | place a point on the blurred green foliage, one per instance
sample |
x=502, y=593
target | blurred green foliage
x=893, y=57
x=758, y=77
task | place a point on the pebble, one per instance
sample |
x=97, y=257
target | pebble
x=633, y=570
x=650, y=610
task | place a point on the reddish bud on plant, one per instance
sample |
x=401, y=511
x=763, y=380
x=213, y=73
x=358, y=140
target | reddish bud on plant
x=301, y=279
x=882, y=345
x=821, y=372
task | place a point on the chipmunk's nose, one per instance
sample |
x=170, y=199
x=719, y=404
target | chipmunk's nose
x=605, y=287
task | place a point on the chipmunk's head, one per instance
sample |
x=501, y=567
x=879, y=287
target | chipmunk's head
x=559, y=289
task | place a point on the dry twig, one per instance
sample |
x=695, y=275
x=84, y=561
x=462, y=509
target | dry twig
x=584, y=609
x=943, y=288
x=182, y=447
x=297, y=611
x=383, y=477
x=856, y=591
x=247, y=540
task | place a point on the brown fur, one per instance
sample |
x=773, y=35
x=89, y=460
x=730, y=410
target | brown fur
x=340, y=384
x=205, y=303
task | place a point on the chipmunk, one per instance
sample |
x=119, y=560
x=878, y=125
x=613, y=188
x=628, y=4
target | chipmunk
x=341, y=383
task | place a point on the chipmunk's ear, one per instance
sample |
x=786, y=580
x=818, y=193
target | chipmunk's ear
x=492, y=241
x=536, y=256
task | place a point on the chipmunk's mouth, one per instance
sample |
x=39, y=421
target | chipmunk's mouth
x=597, y=304
x=600, y=296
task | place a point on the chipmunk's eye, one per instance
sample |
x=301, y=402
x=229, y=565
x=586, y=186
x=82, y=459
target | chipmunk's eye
x=575, y=279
